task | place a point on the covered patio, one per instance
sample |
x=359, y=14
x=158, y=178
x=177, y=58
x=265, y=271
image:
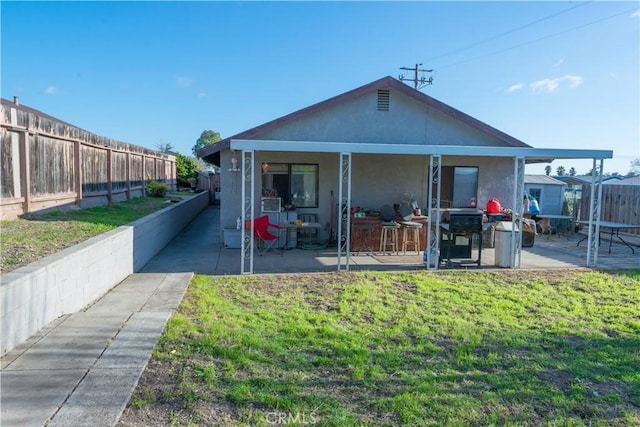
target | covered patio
x=342, y=259
x=200, y=249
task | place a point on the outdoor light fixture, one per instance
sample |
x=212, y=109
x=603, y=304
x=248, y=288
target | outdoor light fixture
x=265, y=167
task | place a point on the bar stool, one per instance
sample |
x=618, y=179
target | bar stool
x=389, y=236
x=411, y=235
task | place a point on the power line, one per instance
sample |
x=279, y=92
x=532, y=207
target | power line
x=540, y=38
x=497, y=36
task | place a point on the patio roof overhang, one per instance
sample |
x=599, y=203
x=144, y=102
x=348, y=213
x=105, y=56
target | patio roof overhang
x=345, y=150
x=529, y=153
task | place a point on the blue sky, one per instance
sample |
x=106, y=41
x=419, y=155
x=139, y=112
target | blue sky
x=552, y=74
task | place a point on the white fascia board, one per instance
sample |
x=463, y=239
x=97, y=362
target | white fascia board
x=413, y=149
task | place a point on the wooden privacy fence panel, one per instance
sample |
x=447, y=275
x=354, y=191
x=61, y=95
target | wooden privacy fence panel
x=9, y=153
x=619, y=203
x=51, y=166
x=93, y=165
x=46, y=163
x=119, y=170
x=136, y=171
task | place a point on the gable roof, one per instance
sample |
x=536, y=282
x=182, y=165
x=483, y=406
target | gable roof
x=211, y=153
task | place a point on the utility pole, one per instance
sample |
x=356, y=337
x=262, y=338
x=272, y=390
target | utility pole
x=418, y=82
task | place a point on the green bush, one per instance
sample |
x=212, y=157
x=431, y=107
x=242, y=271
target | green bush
x=155, y=188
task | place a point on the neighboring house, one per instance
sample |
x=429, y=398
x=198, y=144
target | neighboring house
x=585, y=180
x=378, y=144
x=548, y=191
x=633, y=180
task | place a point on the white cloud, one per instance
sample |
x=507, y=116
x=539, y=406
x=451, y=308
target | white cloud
x=51, y=90
x=635, y=14
x=550, y=85
x=559, y=62
x=183, y=81
x=202, y=94
x=515, y=87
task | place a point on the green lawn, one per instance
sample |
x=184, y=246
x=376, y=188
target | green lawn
x=35, y=236
x=419, y=348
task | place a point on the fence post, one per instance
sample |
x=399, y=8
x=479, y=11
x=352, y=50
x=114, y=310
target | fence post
x=109, y=177
x=25, y=166
x=77, y=170
x=128, y=174
x=144, y=175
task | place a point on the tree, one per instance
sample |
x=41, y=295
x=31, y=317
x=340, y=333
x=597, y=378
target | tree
x=186, y=167
x=547, y=170
x=561, y=170
x=165, y=147
x=634, y=170
x=572, y=171
x=207, y=137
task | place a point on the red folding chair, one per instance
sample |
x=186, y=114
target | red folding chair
x=264, y=238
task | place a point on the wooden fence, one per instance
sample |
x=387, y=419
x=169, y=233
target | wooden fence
x=619, y=203
x=210, y=182
x=47, y=163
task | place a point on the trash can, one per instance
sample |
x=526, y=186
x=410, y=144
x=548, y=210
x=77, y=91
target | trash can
x=504, y=250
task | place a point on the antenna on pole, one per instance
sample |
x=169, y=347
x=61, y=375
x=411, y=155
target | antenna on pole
x=418, y=82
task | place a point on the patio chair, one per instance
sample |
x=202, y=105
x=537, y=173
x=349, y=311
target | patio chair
x=264, y=238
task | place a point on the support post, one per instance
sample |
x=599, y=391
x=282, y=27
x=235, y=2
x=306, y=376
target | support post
x=344, y=223
x=433, y=219
x=517, y=211
x=248, y=212
x=593, y=241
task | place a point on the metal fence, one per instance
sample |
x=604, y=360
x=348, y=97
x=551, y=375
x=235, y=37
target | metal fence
x=47, y=163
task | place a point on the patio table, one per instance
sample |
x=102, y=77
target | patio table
x=614, y=228
x=288, y=227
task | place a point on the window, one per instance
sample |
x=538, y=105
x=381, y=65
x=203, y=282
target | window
x=295, y=184
x=536, y=193
x=459, y=186
x=465, y=186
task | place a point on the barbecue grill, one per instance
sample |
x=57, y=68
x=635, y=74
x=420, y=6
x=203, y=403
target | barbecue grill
x=456, y=235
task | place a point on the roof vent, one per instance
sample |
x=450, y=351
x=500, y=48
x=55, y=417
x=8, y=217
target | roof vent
x=383, y=99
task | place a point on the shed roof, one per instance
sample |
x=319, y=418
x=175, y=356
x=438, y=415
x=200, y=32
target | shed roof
x=542, y=180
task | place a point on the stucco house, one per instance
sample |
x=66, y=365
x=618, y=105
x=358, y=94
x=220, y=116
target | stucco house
x=381, y=143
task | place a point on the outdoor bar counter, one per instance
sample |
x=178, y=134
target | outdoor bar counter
x=366, y=231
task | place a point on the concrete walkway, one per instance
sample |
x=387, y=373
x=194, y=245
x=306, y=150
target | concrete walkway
x=82, y=368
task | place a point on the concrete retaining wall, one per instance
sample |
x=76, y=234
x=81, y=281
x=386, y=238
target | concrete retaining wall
x=34, y=295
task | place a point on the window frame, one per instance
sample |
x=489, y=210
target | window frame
x=288, y=198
